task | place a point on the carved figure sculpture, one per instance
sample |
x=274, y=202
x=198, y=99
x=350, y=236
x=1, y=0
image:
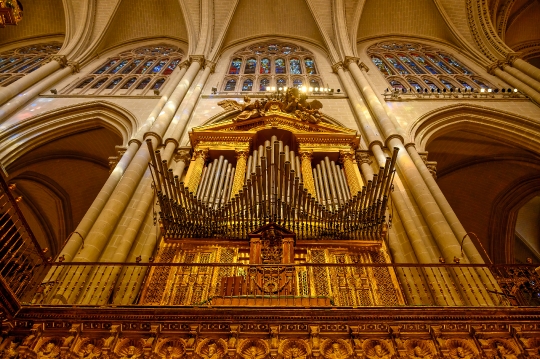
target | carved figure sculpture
x=336, y=352
x=462, y=354
x=50, y=350
x=418, y=353
x=212, y=352
x=131, y=352
x=502, y=352
x=170, y=349
x=10, y=352
x=253, y=349
x=89, y=351
x=379, y=353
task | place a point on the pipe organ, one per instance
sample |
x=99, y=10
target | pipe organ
x=271, y=191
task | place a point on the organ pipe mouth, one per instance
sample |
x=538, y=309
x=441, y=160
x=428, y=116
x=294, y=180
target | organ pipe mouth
x=272, y=188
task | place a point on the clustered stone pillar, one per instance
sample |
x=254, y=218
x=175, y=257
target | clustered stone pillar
x=352, y=173
x=495, y=69
x=307, y=172
x=240, y=174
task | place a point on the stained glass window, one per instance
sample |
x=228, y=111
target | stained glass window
x=113, y=83
x=12, y=64
x=465, y=84
x=231, y=85
x=456, y=64
x=129, y=82
x=247, y=85
x=143, y=68
x=235, y=66
x=480, y=83
x=263, y=85
x=314, y=83
x=29, y=64
x=171, y=67
x=251, y=64
x=281, y=82
x=436, y=60
x=447, y=84
x=143, y=83
x=286, y=50
x=280, y=66
x=132, y=66
x=158, y=66
x=158, y=83
x=297, y=83
x=265, y=66
x=381, y=65
x=397, y=85
x=273, y=48
x=85, y=82
x=18, y=62
x=415, y=85
x=11, y=80
x=99, y=83
x=3, y=78
x=426, y=64
x=295, y=66
x=120, y=65
x=8, y=62
x=431, y=85
x=106, y=66
x=310, y=66
x=397, y=65
x=411, y=64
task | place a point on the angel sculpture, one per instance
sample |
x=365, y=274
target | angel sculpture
x=10, y=352
x=254, y=353
x=379, y=353
x=49, y=351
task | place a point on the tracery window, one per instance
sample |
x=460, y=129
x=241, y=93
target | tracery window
x=420, y=68
x=16, y=63
x=138, y=71
x=271, y=64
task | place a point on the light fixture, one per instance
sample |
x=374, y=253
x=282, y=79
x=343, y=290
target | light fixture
x=285, y=88
x=316, y=89
x=273, y=88
x=156, y=91
x=515, y=90
x=280, y=88
x=303, y=89
x=483, y=90
x=214, y=91
x=310, y=89
x=489, y=90
x=54, y=92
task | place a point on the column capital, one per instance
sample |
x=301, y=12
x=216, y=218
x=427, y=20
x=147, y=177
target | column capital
x=75, y=66
x=61, y=59
x=306, y=154
x=346, y=155
x=363, y=157
x=241, y=153
x=430, y=165
x=337, y=66
x=200, y=153
x=210, y=64
x=513, y=56
x=184, y=63
x=182, y=154
x=494, y=66
x=197, y=58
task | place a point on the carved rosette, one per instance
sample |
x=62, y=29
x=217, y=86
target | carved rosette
x=336, y=349
x=168, y=348
x=294, y=349
x=253, y=349
x=211, y=349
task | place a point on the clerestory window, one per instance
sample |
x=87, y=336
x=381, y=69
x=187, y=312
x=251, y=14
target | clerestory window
x=16, y=63
x=138, y=71
x=419, y=68
x=259, y=67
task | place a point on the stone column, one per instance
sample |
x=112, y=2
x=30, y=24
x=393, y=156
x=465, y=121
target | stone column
x=525, y=67
x=521, y=76
x=514, y=82
x=56, y=62
x=354, y=179
x=240, y=173
x=193, y=175
x=15, y=103
x=307, y=171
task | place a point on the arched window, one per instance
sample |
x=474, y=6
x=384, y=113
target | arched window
x=280, y=66
x=265, y=66
x=143, y=83
x=281, y=82
x=85, y=82
x=140, y=66
x=263, y=85
x=158, y=84
x=314, y=83
x=251, y=64
x=291, y=63
x=403, y=63
x=98, y=83
x=295, y=66
x=19, y=62
x=310, y=66
x=247, y=85
x=235, y=66
x=397, y=85
x=129, y=82
x=231, y=85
